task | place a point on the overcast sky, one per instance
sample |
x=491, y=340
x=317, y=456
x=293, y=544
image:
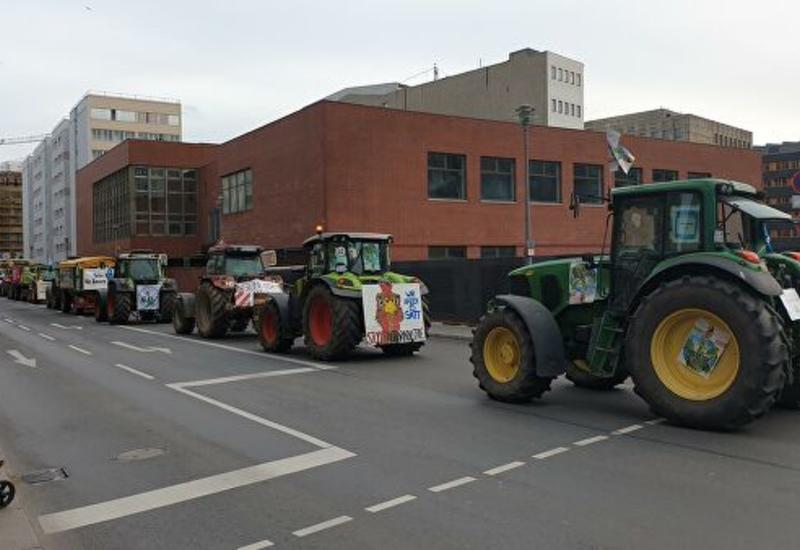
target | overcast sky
x=237, y=64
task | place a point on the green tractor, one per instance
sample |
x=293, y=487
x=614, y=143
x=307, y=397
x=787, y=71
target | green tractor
x=137, y=288
x=345, y=293
x=36, y=281
x=690, y=302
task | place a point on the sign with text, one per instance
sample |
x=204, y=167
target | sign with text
x=95, y=279
x=393, y=313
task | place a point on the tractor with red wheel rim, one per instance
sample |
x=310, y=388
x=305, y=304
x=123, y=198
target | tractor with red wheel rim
x=231, y=286
x=344, y=294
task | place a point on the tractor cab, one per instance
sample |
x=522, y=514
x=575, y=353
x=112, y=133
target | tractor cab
x=141, y=267
x=361, y=254
x=241, y=262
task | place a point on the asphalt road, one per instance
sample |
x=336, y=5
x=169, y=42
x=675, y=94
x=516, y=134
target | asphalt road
x=173, y=442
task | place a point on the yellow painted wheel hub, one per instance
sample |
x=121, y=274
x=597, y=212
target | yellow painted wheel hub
x=667, y=346
x=502, y=354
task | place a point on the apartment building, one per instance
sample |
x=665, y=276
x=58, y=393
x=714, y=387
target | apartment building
x=553, y=84
x=10, y=214
x=781, y=177
x=97, y=123
x=667, y=124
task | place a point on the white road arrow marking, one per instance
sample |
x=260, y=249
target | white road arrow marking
x=70, y=327
x=149, y=349
x=21, y=359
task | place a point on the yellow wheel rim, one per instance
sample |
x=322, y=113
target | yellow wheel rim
x=667, y=345
x=501, y=354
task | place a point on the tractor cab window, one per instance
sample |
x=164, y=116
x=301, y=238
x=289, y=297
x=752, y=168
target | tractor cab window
x=244, y=266
x=358, y=257
x=735, y=229
x=215, y=264
x=639, y=227
x=316, y=259
x=139, y=270
x=684, y=228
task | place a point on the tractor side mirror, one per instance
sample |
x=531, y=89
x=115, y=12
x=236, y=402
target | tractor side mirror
x=575, y=204
x=269, y=258
x=162, y=259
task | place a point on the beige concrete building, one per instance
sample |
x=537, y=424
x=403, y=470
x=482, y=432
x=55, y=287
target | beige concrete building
x=10, y=214
x=97, y=123
x=551, y=83
x=666, y=124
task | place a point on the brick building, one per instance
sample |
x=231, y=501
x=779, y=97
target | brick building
x=11, y=214
x=781, y=167
x=444, y=186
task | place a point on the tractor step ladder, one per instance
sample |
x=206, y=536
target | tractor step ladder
x=605, y=344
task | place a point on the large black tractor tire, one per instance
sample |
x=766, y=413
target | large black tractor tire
x=180, y=321
x=582, y=378
x=166, y=307
x=48, y=300
x=119, y=306
x=332, y=326
x=747, y=377
x=274, y=333
x=405, y=350
x=210, y=311
x=7, y=492
x=503, y=359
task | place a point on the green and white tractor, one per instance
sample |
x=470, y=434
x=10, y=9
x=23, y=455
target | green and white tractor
x=344, y=294
x=138, y=288
x=691, y=303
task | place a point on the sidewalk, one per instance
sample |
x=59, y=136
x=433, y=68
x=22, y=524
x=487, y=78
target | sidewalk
x=16, y=532
x=456, y=332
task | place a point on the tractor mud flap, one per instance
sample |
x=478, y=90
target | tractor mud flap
x=101, y=301
x=283, y=301
x=547, y=340
x=186, y=301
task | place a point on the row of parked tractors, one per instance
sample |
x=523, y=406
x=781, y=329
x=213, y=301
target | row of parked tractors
x=691, y=302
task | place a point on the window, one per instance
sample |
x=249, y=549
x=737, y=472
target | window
x=555, y=105
x=101, y=114
x=560, y=106
x=447, y=176
x=174, y=120
x=572, y=109
x=660, y=175
x=578, y=78
x=560, y=75
x=447, y=252
x=124, y=116
x=553, y=72
x=698, y=175
x=497, y=179
x=237, y=192
x=579, y=111
x=634, y=177
x=684, y=227
x=572, y=77
x=498, y=252
x=545, y=181
x=588, y=182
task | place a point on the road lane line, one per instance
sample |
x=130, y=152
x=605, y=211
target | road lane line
x=311, y=529
x=451, y=484
x=258, y=545
x=70, y=327
x=148, y=349
x=80, y=350
x=504, y=468
x=46, y=336
x=159, y=498
x=7, y=320
x=381, y=506
x=590, y=440
x=254, y=417
x=134, y=371
x=240, y=377
x=263, y=355
x=656, y=421
x=628, y=429
x=23, y=327
x=551, y=452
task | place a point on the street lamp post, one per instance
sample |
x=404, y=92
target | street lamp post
x=525, y=114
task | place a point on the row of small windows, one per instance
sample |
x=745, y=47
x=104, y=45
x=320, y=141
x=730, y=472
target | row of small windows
x=135, y=116
x=102, y=134
x=447, y=177
x=565, y=75
x=566, y=108
x=460, y=252
x=237, y=192
x=727, y=141
x=782, y=165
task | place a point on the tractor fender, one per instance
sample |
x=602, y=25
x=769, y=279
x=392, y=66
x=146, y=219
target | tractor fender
x=283, y=302
x=548, y=343
x=761, y=282
x=341, y=292
x=186, y=301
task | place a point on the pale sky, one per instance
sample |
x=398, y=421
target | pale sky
x=237, y=64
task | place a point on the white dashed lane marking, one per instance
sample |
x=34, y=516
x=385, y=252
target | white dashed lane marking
x=551, y=452
x=46, y=336
x=134, y=371
x=7, y=320
x=23, y=327
x=451, y=484
x=258, y=545
x=628, y=429
x=590, y=440
x=79, y=350
x=310, y=530
x=390, y=503
x=504, y=468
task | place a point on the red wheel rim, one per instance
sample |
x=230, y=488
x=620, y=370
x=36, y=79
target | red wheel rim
x=269, y=327
x=320, y=322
